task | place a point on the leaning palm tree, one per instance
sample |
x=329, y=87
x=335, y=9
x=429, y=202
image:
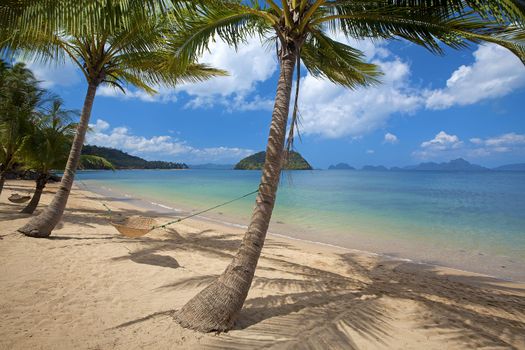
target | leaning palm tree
x=111, y=44
x=300, y=31
x=20, y=97
x=47, y=146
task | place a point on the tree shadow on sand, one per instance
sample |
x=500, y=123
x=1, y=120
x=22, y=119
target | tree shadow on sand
x=309, y=307
x=328, y=310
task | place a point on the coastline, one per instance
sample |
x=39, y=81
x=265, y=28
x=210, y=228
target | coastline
x=503, y=268
x=57, y=292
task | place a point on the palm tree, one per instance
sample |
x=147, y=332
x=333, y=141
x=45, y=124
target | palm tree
x=19, y=98
x=47, y=146
x=112, y=42
x=299, y=29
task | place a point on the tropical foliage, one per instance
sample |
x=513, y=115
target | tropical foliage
x=20, y=98
x=118, y=43
x=46, y=146
x=122, y=160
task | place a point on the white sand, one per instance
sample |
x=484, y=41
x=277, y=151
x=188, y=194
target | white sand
x=89, y=288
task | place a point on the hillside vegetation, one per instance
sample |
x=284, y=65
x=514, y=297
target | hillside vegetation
x=122, y=160
x=256, y=161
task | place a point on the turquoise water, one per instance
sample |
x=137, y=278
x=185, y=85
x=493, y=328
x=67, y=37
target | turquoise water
x=474, y=221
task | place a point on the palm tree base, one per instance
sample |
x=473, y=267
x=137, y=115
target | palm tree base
x=214, y=309
x=34, y=230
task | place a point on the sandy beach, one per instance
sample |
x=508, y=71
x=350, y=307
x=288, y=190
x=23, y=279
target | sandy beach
x=87, y=287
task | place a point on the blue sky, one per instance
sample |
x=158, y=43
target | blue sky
x=466, y=104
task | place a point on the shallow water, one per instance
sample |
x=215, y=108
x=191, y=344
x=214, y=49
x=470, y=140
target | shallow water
x=472, y=221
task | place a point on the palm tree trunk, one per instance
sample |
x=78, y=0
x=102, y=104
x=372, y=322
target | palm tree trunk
x=2, y=181
x=42, y=225
x=41, y=182
x=216, y=307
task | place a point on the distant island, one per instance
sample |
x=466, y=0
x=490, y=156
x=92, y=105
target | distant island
x=341, y=166
x=256, y=161
x=511, y=167
x=123, y=160
x=459, y=164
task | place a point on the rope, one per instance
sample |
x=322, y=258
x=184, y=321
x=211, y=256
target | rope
x=204, y=211
x=188, y=216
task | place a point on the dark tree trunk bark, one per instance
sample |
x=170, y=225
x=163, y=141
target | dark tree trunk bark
x=41, y=182
x=216, y=307
x=2, y=181
x=42, y=225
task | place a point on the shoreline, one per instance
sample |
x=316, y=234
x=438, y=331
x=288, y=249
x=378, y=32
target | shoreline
x=88, y=287
x=149, y=203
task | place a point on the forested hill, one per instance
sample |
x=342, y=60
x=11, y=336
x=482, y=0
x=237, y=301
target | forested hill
x=122, y=160
x=256, y=161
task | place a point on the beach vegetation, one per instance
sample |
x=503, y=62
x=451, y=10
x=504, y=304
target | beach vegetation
x=115, y=43
x=46, y=146
x=20, y=98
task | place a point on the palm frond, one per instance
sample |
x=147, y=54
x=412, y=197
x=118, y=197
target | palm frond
x=95, y=162
x=339, y=63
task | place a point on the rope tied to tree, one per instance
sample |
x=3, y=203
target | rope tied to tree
x=139, y=226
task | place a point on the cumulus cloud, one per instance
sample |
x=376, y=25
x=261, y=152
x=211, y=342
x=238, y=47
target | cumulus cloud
x=494, y=73
x=499, y=144
x=445, y=146
x=329, y=110
x=442, y=144
x=390, y=138
x=443, y=141
x=248, y=66
x=160, y=146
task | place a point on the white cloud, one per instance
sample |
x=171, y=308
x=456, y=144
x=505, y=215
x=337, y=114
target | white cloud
x=445, y=146
x=390, y=138
x=499, y=144
x=163, y=95
x=370, y=151
x=442, y=141
x=331, y=111
x=160, y=146
x=494, y=73
x=51, y=74
x=250, y=64
x=99, y=126
x=442, y=144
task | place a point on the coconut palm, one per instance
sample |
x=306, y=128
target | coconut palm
x=300, y=29
x=19, y=99
x=47, y=146
x=88, y=161
x=111, y=44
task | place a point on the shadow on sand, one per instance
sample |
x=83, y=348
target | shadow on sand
x=314, y=308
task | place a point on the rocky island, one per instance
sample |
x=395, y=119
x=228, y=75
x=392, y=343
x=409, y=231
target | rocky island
x=256, y=162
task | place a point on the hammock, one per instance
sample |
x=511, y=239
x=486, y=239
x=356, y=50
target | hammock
x=16, y=198
x=138, y=226
x=134, y=226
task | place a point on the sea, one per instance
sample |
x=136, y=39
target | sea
x=465, y=220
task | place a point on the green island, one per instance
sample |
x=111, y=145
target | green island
x=122, y=160
x=256, y=161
